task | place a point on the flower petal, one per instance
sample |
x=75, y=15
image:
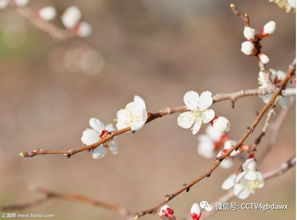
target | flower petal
x=205, y=100
x=139, y=100
x=251, y=175
x=122, y=119
x=96, y=124
x=99, y=152
x=186, y=120
x=260, y=179
x=240, y=192
x=196, y=126
x=227, y=163
x=205, y=146
x=208, y=115
x=113, y=147
x=90, y=136
x=249, y=164
x=109, y=127
x=229, y=182
x=191, y=99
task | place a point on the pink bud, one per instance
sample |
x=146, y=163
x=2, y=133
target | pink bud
x=195, y=211
x=268, y=29
x=166, y=211
x=248, y=48
x=263, y=58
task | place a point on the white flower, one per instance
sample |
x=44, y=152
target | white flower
x=134, y=115
x=195, y=211
x=205, y=146
x=249, y=33
x=71, y=17
x=21, y=3
x=272, y=79
x=245, y=182
x=198, y=111
x=228, y=145
x=269, y=28
x=3, y=3
x=166, y=211
x=94, y=134
x=263, y=58
x=221, y=124
x=248, y=48
x=47, y=13
x=84, y=29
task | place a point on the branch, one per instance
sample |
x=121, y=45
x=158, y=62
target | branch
x=48, y=195
x=152, y=116
x=55, y=32
x=279, y=170
x=217, y=162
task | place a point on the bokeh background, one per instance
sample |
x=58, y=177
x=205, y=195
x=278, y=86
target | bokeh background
x=158, y=49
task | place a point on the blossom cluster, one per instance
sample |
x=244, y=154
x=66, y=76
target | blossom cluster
x=71, y=18
x=288, y=5
x=272, y=79
x=246, y=182
x=250, y=47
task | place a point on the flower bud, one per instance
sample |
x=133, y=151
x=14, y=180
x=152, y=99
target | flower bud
x=84, y=29
x=195, y=211
x=166, y=211
x=71, y=17
x=221, y=124
x=248, y=48
x=47, y=13
x=268, y=29
x=249, y=33
x=263, y=58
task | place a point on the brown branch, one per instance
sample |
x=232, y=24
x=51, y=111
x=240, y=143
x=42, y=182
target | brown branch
x=151, y=116
x=244, y=17
x=279, y=170
x=217, y=162
x=48, y=195
x=55, y=32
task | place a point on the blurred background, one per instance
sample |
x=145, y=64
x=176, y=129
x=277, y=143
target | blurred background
x=158, y=49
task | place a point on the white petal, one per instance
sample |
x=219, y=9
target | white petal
x=208, y=115
x=47, y=13
x=196, y=126
x=195, y=209
x=109, y=127
x=240, y=192
x=260, y=179
x=240, y=176
x=3, y=3
x=229, y=182
x=205, y=146
x=191, y=99
x=249, y=164
x=21, y=2
x=123, y=119
x=214, y=134
x=186, y=120
x=96, y=124
x=251, y=175
x=248, y=48
x=90, y=136
x=113, y=147
x=99, y=152
x=205, y=100
x=227, y=163
x=140, y=101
